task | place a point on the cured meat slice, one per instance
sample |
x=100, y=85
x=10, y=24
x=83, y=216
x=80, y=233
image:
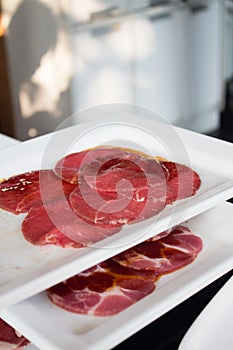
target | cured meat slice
x=39, y=229
x=177, y=249
x=105, y=173
x=50, y=188
x=115, y=284
x=16, y=188
x=182, y=181
x=103, y=290
x=68, y=167
x=55, y=223
x=20, y=192
x=111, y=209
x=10, y=339
x=114, y=191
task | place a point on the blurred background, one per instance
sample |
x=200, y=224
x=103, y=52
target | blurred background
x=59, y=57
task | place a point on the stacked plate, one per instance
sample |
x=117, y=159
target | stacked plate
x=27, y=271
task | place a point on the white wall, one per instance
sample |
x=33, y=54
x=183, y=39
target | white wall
x=172, y=65
x=228, y=40
x=203, y=68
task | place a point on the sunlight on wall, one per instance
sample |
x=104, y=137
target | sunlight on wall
x=140, y=59
x=50, y=79
x=81, y=10
x=41, y=63
x=109, y=85
x=144, y=34
x=48, y=82
x=105, y=62
x=103, y=71
x=9, y=10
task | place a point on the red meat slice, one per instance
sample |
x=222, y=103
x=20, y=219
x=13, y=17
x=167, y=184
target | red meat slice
x=16, y=188
x=19, y=193
x=168, y=254
x=10, y=339
x=111, y=209
x=103, y=290
x=113, y=285
x=105, y=173
x=69, y=166
x=182, y=181
x=50, y=188
x=114, y=191
x=55, y=223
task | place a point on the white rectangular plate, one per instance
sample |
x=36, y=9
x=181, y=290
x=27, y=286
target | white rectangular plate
x=26, y=270
x=31, y=347
x=213, y=327
x=49, y=327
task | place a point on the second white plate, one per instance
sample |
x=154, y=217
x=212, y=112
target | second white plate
x=51, y=328
x=213, y=327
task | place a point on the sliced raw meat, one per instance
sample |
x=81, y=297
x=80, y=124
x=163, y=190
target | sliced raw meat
x=68, y=167
x=16, y=188
x=103, y=290
x=105, y=173
x=111, y=209
x=114, y=191
x=182, y=182
x=55, y=223
x=113, y=285
x=10, y=339
x=19, y=193
x=50, y=188
x=177, y=249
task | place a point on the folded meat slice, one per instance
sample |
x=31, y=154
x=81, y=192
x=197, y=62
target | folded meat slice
x=175, y=250
x=111, y=209
x=16, y=188
x=115, y=191
x=103, y=167
x=55, y=223
x=105, y=174
x=182, y=181
x=20, y=192
x=50, y=188
x=10, y=339
x=68, y=167
x=103, y=290
x=113, y=285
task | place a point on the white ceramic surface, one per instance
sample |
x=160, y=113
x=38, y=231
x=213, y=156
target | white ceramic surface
x=213, y=327
x=52, y=328
x=26, y=270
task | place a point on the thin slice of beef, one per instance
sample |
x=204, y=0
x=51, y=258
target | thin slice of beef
x=69, y=166
x=55, y=223
x=103, y=290
x=16, y=188
x=105, y=174
x=19, y=193
x=175, y=250
x=114, y=190
x=113, y=285
x=182, y=181
x=50, y=189
x=10, y=339
x=111, y=209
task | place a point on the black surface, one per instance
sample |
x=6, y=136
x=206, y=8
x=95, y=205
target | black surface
x=167, y=332
x=226, y=117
